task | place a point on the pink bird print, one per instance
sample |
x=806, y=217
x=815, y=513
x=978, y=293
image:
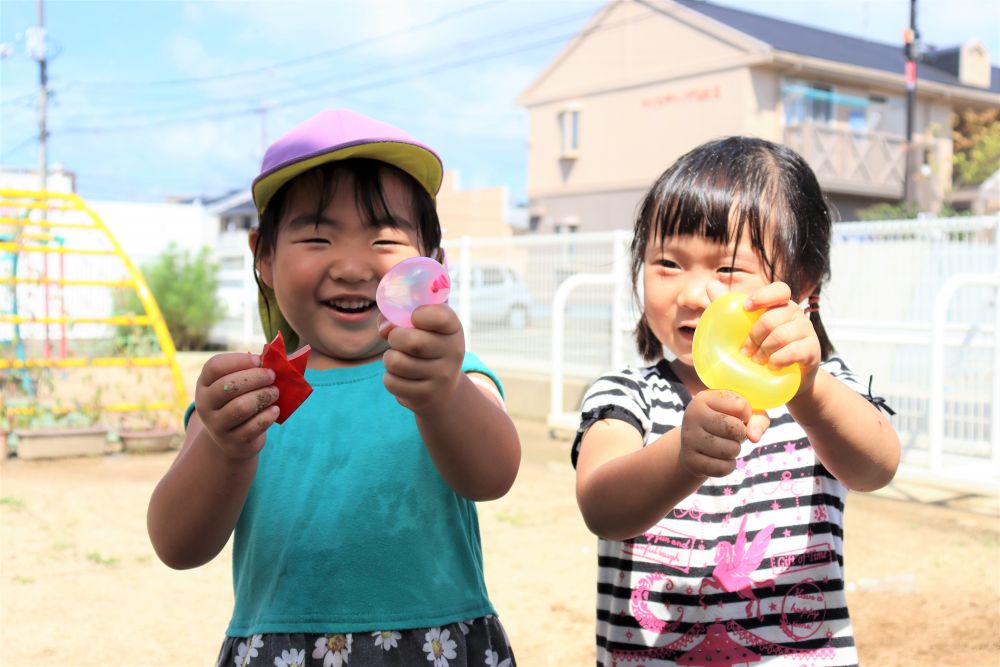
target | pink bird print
x=735, y=564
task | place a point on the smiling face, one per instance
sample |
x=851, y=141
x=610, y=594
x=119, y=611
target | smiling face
x=735, y=193
x=675, y=278
x=327, y=261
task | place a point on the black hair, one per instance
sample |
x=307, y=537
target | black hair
x=726, y=186
x=369, y=192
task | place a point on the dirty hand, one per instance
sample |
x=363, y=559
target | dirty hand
x=233, y=398
x=423, y=364
x=783, y=335
x=715, y=423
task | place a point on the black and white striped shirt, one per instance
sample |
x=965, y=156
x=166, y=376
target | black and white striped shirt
x=748, y=568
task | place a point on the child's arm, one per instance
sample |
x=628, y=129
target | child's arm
x=852, y=439
x=470, y=438
x=194, y=508
x=623, y=489
x=855, y=442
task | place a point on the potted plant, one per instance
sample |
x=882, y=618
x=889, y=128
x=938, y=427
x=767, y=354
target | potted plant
x=148, y=430
x=41, y=430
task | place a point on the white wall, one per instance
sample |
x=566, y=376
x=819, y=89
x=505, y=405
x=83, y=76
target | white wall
x=144, y=229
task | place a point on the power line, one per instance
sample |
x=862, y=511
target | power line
x=23, y=144
x=246, y=106
x=253, y=108
x=298, y=61
x=321, y=78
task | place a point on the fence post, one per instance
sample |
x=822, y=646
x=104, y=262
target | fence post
x=250, y=307
x=557, y=416
x=995, y=404
x=465, y=287
x=620, y=270
x=939, y=316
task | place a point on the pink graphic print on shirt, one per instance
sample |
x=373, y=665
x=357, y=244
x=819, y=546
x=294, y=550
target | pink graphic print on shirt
x=735, y=564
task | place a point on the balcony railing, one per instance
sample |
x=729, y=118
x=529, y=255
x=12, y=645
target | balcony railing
x=851, y=162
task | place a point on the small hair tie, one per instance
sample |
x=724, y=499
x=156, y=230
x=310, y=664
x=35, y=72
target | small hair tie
x=878, y=401
x=813, y=306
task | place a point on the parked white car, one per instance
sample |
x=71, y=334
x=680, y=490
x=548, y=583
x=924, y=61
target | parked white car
x=499, y=295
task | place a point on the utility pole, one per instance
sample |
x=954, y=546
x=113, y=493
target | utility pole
x=911, y=46
x=37, y=49
x=41, y=54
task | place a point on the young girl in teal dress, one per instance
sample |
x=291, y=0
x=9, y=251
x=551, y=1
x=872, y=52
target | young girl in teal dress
x=355, y=534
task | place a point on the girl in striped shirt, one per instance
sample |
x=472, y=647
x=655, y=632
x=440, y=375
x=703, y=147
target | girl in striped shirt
x=721, y=527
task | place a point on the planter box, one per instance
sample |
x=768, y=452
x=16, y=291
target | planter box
x=154, y=440
x=57, y=443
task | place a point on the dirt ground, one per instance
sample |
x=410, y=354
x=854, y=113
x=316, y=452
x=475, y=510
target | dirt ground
x=80, y=584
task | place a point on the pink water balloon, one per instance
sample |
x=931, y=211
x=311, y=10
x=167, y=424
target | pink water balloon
x=414, y=282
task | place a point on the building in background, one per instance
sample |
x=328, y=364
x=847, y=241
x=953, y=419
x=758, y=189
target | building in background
x=647, y=80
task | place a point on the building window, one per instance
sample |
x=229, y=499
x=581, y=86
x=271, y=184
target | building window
x=569, y=133
x=886, y=114
x=807, y=102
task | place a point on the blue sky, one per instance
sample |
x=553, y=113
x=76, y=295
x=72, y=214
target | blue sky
x=154, y=98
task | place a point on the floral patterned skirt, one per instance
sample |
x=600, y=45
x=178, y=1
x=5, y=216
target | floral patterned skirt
x=480, y=642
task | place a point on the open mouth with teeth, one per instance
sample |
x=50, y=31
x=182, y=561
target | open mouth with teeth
x=350, y=306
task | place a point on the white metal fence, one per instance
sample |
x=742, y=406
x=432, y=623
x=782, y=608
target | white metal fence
x=911, y=303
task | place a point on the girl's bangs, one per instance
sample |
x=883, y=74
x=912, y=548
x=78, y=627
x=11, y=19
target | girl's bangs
x=693, y=209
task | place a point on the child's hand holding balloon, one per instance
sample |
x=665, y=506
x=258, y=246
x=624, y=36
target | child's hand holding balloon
x=783, y=337
x=750, y=361
x=757, y=352
x=715, y=423
x=414, y=282
x=426, y=339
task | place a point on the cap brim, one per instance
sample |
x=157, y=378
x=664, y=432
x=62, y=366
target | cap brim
x=417, y=161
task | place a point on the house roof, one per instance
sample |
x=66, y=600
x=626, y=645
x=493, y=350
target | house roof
x=816, y=43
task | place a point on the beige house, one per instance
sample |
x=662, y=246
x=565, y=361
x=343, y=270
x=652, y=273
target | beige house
x=647, y=80
x=477, y=212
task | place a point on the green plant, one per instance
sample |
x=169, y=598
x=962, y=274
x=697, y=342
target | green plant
x=887, y=211
x=13, y=502
x=976, y=139
x=185, y=288
x=101, y=559
x=146, y=419
x=35, y=415
x=891, y=211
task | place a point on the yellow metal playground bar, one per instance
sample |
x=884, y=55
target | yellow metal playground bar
x=23, y=241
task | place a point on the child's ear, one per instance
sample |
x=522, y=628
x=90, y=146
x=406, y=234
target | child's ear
x=262, y=264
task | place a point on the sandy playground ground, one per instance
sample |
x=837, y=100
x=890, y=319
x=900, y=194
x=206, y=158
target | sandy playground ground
x=80, y=584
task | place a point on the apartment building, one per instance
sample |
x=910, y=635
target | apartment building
x=646, y=80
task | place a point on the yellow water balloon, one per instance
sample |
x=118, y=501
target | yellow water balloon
x=721, y=332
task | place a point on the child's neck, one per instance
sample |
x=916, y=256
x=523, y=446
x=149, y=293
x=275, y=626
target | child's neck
x=687, y=375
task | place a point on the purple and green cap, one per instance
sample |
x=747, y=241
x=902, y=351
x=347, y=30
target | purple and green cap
x=331, y=135
x=339, y=134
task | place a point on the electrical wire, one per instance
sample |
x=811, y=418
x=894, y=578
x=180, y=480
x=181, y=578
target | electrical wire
x=245, y=108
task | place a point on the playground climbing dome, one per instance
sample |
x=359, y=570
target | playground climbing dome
x=82, y=341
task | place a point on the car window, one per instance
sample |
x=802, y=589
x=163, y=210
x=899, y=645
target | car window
x=492, y=276
x=455, y=273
